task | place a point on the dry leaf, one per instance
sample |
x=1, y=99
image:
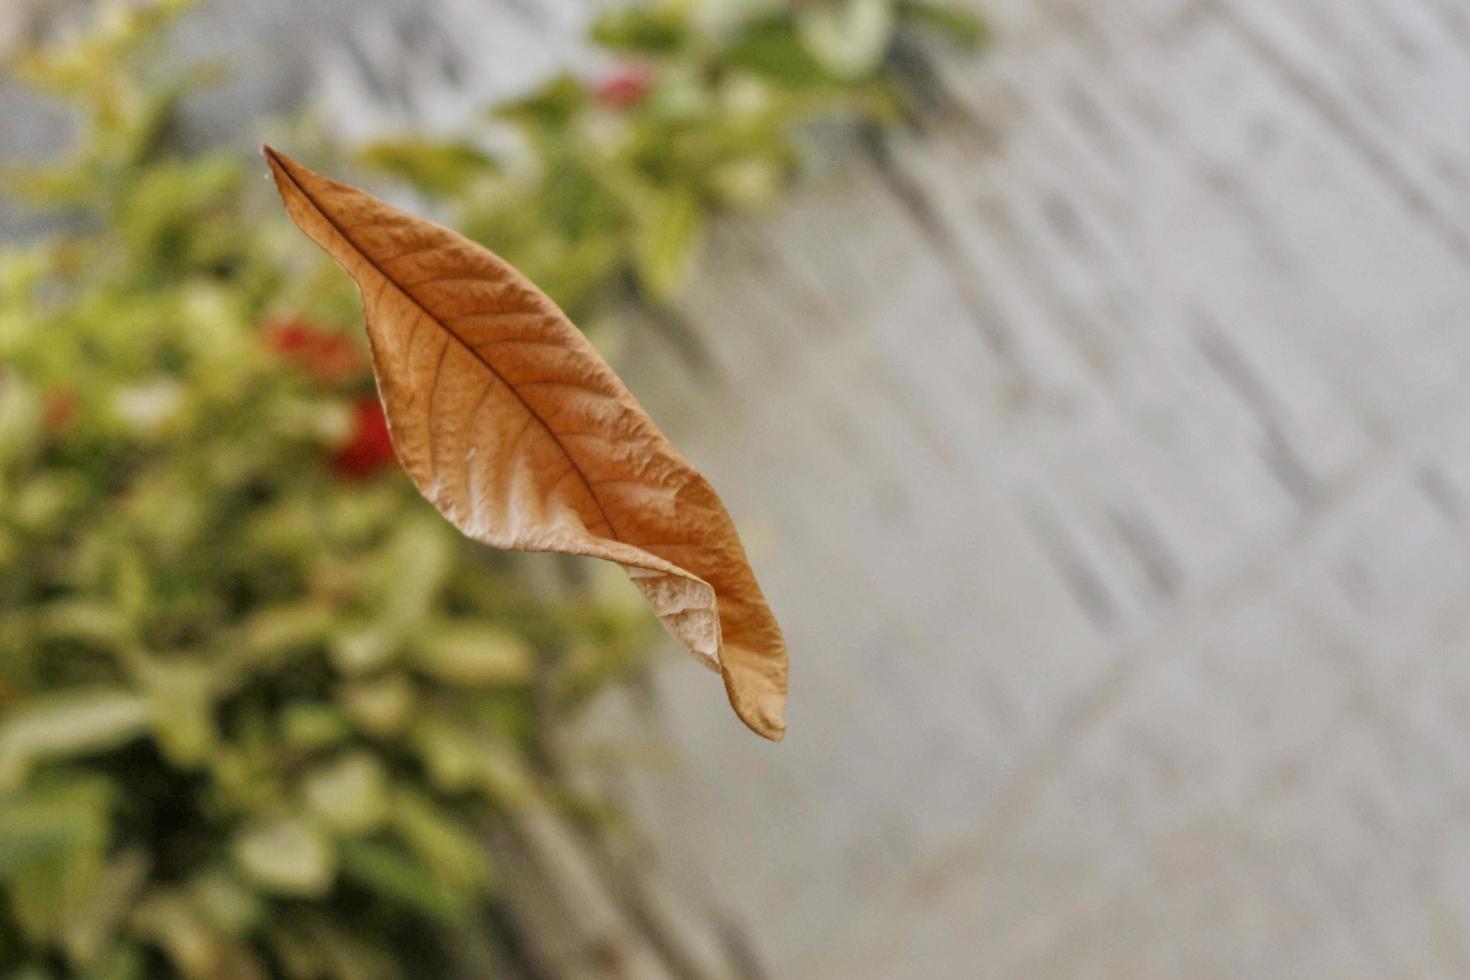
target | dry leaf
x=511, y=424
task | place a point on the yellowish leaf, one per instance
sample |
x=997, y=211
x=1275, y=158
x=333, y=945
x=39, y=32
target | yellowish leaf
x=287, y=855
x=67, y=723
x=349, y=794
x=514, y=427
x=473, y=655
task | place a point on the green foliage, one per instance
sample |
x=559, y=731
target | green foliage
x=620, y=177
x=257, y=705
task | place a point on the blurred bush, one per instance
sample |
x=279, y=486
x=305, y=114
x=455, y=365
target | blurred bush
x=619, y=175
x=258, y=703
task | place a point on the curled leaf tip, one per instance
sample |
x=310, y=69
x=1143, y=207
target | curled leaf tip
x=514, y=427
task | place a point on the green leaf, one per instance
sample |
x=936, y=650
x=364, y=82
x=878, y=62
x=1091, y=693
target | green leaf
x=418, y=563
x=287, y=855
x=309, y=725
x=751, y=183
x=453, y=853
x=226, y=902
x=472, y=654
x=437, y=168
x=381, y=706
x=52, y=845
x=548, y=109
x=196, y=949
x=86, y=620
x=577, y=201
x=68, y=724
x=52, y=818
x=401, y=878
x=462, y=759
x=90, y=927
x=659, y=28
x=271, y=632
x=667, y=241
x=125, y=962
x=771, y=49
x=349, y=794
x=848, y=37
x=180, y=696
x=683, y=96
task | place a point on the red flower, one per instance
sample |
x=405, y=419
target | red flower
x=59, y=408
x=326, y=356
x=627, y=87
x=369, y=448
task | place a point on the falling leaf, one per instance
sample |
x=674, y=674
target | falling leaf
x=511, y=424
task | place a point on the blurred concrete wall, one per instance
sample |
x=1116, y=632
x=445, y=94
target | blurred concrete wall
x=1108, y=448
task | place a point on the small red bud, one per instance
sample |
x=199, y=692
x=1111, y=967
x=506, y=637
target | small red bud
x=369, y=448
x=627, y=87
x=59, y=408
x=327, y=356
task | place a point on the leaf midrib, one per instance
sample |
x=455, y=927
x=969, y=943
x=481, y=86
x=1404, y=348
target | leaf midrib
x=403, y=290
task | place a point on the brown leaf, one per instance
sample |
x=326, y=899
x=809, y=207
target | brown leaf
x=511, y=424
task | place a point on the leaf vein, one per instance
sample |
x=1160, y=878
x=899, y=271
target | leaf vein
x=433, y=391
x=531, y=412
